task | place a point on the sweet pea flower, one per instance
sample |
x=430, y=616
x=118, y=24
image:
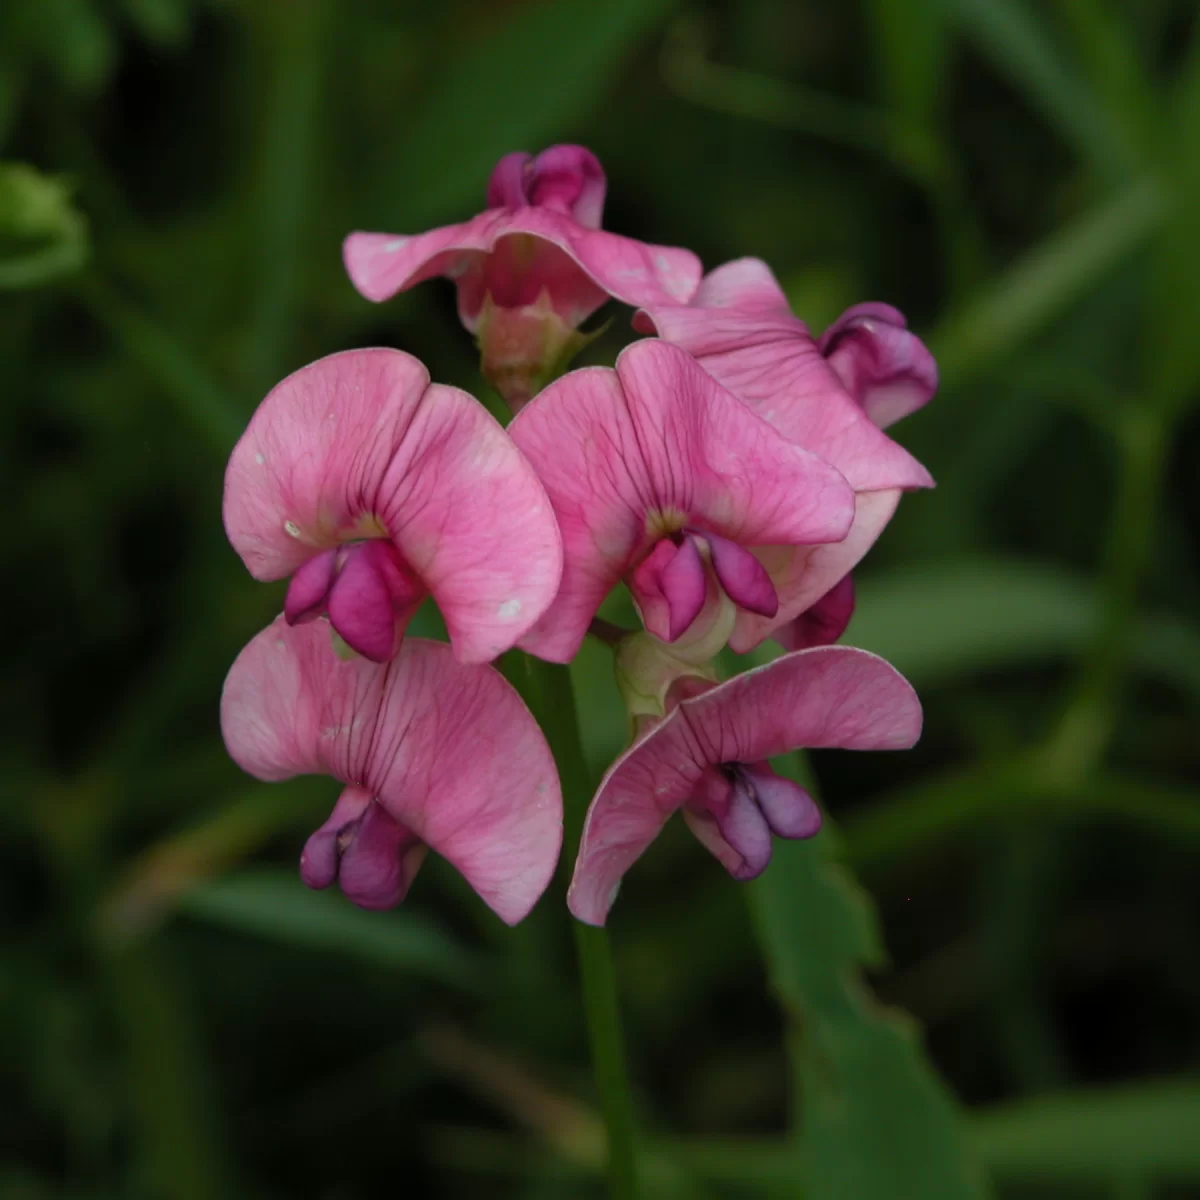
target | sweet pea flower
x=829, y=398
x=372, y=488
x=530, y=268
x=661, y=477
x=708, y=757
x=433, y=754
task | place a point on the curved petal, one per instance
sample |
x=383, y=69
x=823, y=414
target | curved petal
x=656, y=445
x=748, y=340
x=884, y=366
x=361, y=445
x=506, y=187
x=303, y=476
x=803, y=575
x=636, y=273
x=826, y=697
x=449, y=750
x=569, y=178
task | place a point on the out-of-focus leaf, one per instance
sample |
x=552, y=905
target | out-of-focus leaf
x=158, y=877
x=517, y=87
x=184, y=379
x=1149, y=1129
x=876, y=1122
x=163, y=22
x=934, y=622
x=1009, y=34
x=914, y=819
x=166, y=1082
x=276, y=905
x=1109, y=57
x=912, y=43
x=1043, y=283
x=1175, y=366
x=1076, y=1137
x=42, y=236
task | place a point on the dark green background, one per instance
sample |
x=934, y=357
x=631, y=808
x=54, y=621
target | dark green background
x=178, y=1016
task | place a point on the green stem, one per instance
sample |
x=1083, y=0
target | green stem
x=547, y=689
x=1087, y=725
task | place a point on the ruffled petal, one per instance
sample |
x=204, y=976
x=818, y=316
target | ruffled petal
x=361, y=445
x=633, y=272
x=448, y=750
x=741, y=331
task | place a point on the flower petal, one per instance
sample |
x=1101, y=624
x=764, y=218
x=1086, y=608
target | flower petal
x=361, y=445
x=636, y=273
x=379, y=861
x=824, y=622
x=886, y=368
x=830, y=696
x=803, y=576
x=743, y=577
x=732, y=828
x=506, y=187
x=789, y=810
x=657, y=445
x=742, y=332
x=321, y=857
x=449, y=750
x=570, y=179
x=669, y=588
x=308, y=591
x=372, y=600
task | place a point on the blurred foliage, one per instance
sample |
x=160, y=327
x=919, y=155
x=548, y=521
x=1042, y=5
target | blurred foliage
x=1022, y=179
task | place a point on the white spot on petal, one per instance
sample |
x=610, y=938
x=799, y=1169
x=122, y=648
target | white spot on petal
x=394, y=245
x=509, y=609
x=260, y=459
x=662, y=263
x=291, y=529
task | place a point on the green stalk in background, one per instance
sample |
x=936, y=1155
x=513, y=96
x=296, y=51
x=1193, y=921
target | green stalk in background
x=546, y=688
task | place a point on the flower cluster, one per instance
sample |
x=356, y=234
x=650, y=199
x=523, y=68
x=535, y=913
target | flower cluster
x=730, y=470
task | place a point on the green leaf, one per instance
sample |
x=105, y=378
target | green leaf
x=876, y=1123
x=912, y=50
x=1044, y=283
x=1108, y=55
x=1145, y=1129
x=1171, y=330
x=276, y=905
x=1009, y=34
x=541, y=70
x=42, y=236
x=935, y=622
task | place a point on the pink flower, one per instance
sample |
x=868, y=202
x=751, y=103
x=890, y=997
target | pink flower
x=660, y=476
x=531, y=268
x=740, y=329
x=373, y=488
x=433, y=753
x=708, y=757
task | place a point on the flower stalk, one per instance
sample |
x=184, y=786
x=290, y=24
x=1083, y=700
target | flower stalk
x=549, y=693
